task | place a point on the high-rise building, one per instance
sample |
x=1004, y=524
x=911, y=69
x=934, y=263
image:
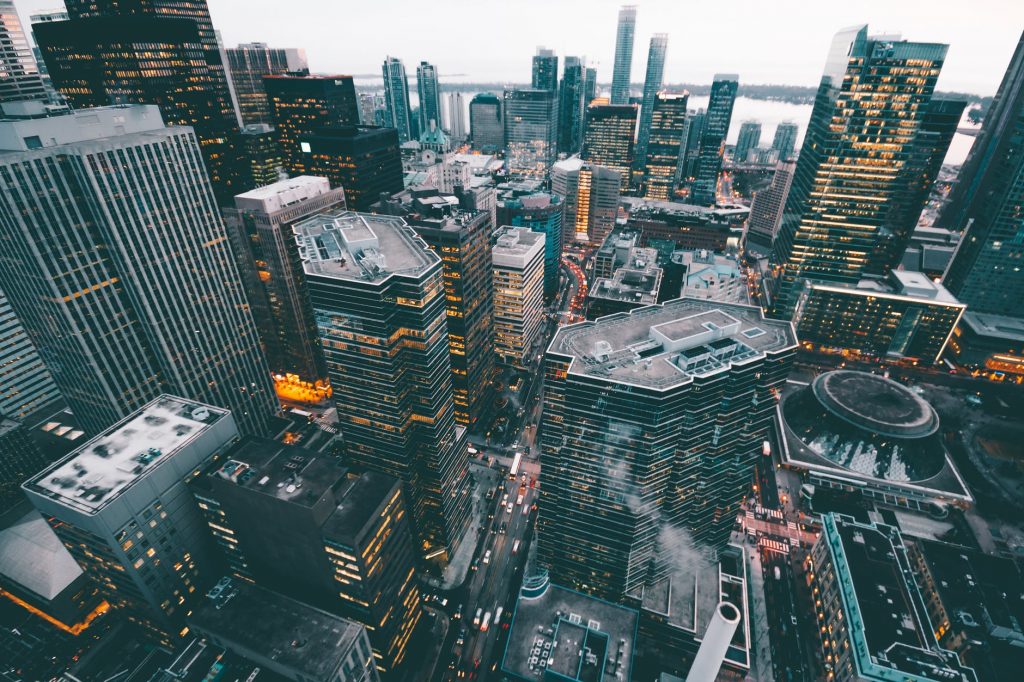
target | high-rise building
x=691, y=149
x=665, y=146
x=259, y=227
x=986, y=271
x=486, y=125
x=749, y=138
x=456, y=116
x=260, y=159
x=541, y=212
x=571, y=107
x=653, y=422
x=518, y=257
x=21, y=78
x=429, y=92
x=608, y=140
x=785, y=139
x=377, y=292
x=301, y=104
x=714, y=128
x=623, y=54
x=122, y=508
x=363, y=160
x=297, y=522
x=531, y=130
x=134, y=265
x=396, y=98
x=42, y=17
x=545, y=70
x=26, y=385
x=162, y=52
x=20, y=458
x=766, y=209
x=591, y=195
x=248, y=64
x=652, y=84
x=844, y=214
x=462, y=240
x=589, y=85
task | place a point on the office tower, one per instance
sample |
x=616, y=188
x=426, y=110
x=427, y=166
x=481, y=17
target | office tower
x=541, y=212
x=286, y=639
x=608, y=140
x=259, y=228
x=121, y=506
x=531, y=130
x=518, y=257
x=591, y=195
x=665, y=146
x=162, y=53
x=26, y=385
x=589, y=85
x=297, y=522
x=429, y=92
x=260, y=159
x=20, y=458
x=134, y=264
x=462, y=240
x=851, y=179
x=545, y=70
x=652, y=84
x=714, y=128
x=301, y=105
x=653, y=422
x=486, y=123
x=41, y=17
x=571, y=107
x=378, y=296
x=248, y=64
x=371, y=107
x=456, y=116
x=985, y=273
x=691, y=149
x=749, y=138
x=623, y=54
x=396, y=98
x=21, y=79
x=766, y=208
x=785, y=139
x=363, y=160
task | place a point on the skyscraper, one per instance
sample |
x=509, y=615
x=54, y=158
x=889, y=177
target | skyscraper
x=623, y=54
x=429, y=92
x=851, y=177
x=571, y=107
x=301, y=104
x=378, y=295
x=396, y=98
x=608, y=140
x=653, y=421
x=531, y=130
x=26, y=385
x=248, y=64
x=545, y=70
x=986, y=272
x=691, y=147
x=712, y=139
x=541, y=212
x=21, y=79
x=591, y=195
x=133, y=267
x=486, y=124
x=362, y=160
x=260, y=159
x=785, y=139
x=589, y=85
x=518, y=257
x=652, y=84
x=20, y=459
x=456, y=117
x=665, y=147
x=766, y=209
x=749, y=138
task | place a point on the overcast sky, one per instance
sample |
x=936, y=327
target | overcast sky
x=764, y=41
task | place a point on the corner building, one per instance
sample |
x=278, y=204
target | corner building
x=653, y=421
x=377, y=292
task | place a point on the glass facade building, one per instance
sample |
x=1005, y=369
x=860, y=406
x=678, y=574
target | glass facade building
x=714, y=128
x=21, y=78
x=545, y=70
x=486, y=125
x=749, y=138
x=396, y=99
x=623, y=54
x=665, y=147
x=363, y=160
x=429, y=91
x=785, y=139
x=571, y=107
x=248, y=64
x=531, y=131
x=541, y=212
x=608, y=139
x=591, y=194
x=518, y=257
x=652, y=85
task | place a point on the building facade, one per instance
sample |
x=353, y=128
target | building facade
x=396, y=99
x=652, y=85
x=531, y=131
x=26, y=385
x=362, y=160
x=785, y=139
x=456, y=117
x=260, y=159
x=608, y=139
x=766, y=209
x=486, y=123
x=248, y=64
x=714, y=128
x=662, y=164
x=749, y=138
x=518, y=257
x=571, y=106
x=545, y=70
x=623, y=54
x=429, y=92
x=541, y=212
x=591, y=195
x=22, y=80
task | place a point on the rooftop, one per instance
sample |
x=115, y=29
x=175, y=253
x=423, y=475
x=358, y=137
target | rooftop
x=92, y=476
x=364, y=247
x=32, y=556
x=358, y=499
x=283, y=194
x=875, y=403
x=666, y=345
x=638, y=281
x=516, y=246
x=995, y=326
x=903, y=284
x=85, y=125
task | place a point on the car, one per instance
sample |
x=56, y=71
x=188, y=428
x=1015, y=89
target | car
x=509, y=507
x=476, y=618
x=487, y=557
x=792, y=618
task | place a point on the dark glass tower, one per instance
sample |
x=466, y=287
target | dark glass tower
x=623, y=54
x=608, y=140
x=652, y=84
x=531, y=130
x=749, y=138
x=396, y=98
x=785, y=139
x=248, y=64
x=485, y=122
x=986, y=272
x=429, y=92
x=364, y=160
x=712, y=138
x=852, y=177
x=665, y=147
x=571, y=106
x=545, y=70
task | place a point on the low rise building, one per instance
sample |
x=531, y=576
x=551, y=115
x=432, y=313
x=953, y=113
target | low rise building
x=989, y=344
x=711, y=276
x=688, y=226
x=633, y=285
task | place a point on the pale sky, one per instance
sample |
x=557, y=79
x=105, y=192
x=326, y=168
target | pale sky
x=764, y=41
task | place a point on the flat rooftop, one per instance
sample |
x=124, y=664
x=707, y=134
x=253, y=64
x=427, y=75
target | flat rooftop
x=92, y=476
x=995, y=326
x=358, y=500
x=364, y=247
x=875, y=403
x=283, y=194
x=300, y=637
x=73, y=127
x=578, y=637
x=901, y=284
x=666, y=345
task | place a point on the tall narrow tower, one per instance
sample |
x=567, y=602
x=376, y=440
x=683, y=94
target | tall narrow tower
x=623, y=54
x=396, y=98
x=429, y=92
x=652, y=84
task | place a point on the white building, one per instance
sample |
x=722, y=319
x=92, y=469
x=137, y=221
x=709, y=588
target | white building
x=518, y=258
x=712, y=277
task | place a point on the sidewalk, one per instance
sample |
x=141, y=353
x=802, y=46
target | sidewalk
x=761, y=658
x=485, y=478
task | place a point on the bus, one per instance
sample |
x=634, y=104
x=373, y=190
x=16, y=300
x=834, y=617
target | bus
x=515, y=465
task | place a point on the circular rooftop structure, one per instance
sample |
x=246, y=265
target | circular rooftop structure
x=868, y=425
